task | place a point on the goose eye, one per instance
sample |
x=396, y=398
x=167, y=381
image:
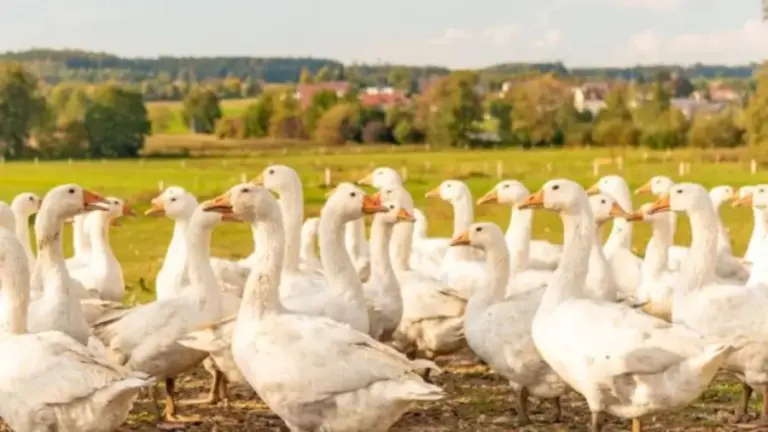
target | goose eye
x=555, y=187
x=761, y=190
x=31, y=199
x=271, y=172
x=391, y=207
x=246, y=190
x=506, y=186
x=115, y=203
x=679, y=191
x=478, y=229
x=173, y=199
x=448, y=185
x=352, y=194
x=71, y=190
x=602, y=202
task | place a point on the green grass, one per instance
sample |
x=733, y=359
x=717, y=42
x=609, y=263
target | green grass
x=140, y=243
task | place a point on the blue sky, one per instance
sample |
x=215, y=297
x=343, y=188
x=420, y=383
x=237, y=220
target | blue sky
x=456, y=33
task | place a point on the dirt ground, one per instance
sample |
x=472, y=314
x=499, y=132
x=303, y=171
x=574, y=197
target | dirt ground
x=478, y=400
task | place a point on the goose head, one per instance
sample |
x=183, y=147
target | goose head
x=604, y=208
x=246, y=202
x=509, y=192
x=26, y=204
x=643, y=213
x=381, y=177
x=348, y=202
x=394, y=211
x=743, y=192
x=721, y=194
x=175, y=202
x=7, y=219
x=683, y=197
x=450, y=190
x=117, y=208
x=66, y=201
x=613, y=185
x=656, y=186
x=560, y=195
x=481, y=235
x=756, y=197
x=277, y=178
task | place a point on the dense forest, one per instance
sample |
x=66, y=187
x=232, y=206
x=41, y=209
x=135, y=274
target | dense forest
x=76, y=65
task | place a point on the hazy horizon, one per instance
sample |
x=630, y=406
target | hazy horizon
x=579, y=33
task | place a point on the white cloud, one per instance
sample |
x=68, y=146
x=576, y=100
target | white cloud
x=656, y=5
x=551, y=39
x=449, y=36
x=497, y=35
x=730, y=46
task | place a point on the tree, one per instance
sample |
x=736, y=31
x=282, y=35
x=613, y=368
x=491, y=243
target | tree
x=614, y=125
x=160, y=119
x=116, y=122
x=258, y=115
x=201, y=109
x=324, y=74
x=404, y=132
x=21, y=108
x=338, y=125
x=322, y=101
x=452, y=109
x=756, y=114
x=713, y=130
x=661, y=125
x=249, y=87
x=501, y=111
x=286, y=121
x=375, y=131
x=537, y=103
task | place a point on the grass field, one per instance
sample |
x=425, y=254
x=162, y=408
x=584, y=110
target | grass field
x=229, y=108
x=478, y=398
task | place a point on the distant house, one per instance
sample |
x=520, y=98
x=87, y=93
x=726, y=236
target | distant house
x=305, y=92
x=582, y=103
x=382, y=97
x=719, y=92
x=690, y=107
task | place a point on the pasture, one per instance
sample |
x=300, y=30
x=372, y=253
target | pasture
x=478, y=398
x=229, y=108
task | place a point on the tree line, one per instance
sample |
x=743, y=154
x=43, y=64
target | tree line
x=111, y=119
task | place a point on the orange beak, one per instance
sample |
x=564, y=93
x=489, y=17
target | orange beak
x=92, y=200
x=660, y=205
x=745, y=201
x=635, y=216
x=258, y=181
x=491, y=196
x=220, y=204
x=434, y=193
x=404, y=215
x=157, y=208
x=366, y=181
x=461, y=239
x=644, y=189
x=593, y=190
x=372, y=205
x=618, y=212
x=533, y=201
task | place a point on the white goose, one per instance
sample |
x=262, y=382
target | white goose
x=146, y=338
x=622, y=361
x=357, y=246
x=24, y=205
x=757, y=198
x=53, y=382
x=102, y=274
x=57, y=306
x=271, y=343
x=728, y=266
x=308, y=253
x=461, y=267
x=7, y=218
x=658, y=186
x=81, y=243
x=729, y=313
x=618, y=247
x=498, y=330
x=759, y=229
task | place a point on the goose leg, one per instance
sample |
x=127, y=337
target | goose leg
x=425, y=376
x=597, y=422
x=764, y=414
x=558, y=411
x=223, y=391
x=522, y=407
x=170, y=405
x=742, y=409
x=214, y=395
x=636, y=425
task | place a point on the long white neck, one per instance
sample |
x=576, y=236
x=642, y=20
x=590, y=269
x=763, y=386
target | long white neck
x=50, y=255
x=337, y=265
x=381, y=235
x=308, y=245
x=173, y=273
x=497, y=266
x=518, y=239
x=420, y=228
x=14, y=280
x=723, y=238
x=80, y=241
x=400, y=247
x=261, y=295
x=758, y=232
x=97, y=226
x=463, y=216
x=22, y=233
x=292, y=207
x=571, y=273
x=657, y=251
x=204, y=287
x=600, y=282
x=354, y=238
x=621, y=230
x=699, y=266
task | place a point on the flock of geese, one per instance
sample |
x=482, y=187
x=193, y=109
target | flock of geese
x=345, y=342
